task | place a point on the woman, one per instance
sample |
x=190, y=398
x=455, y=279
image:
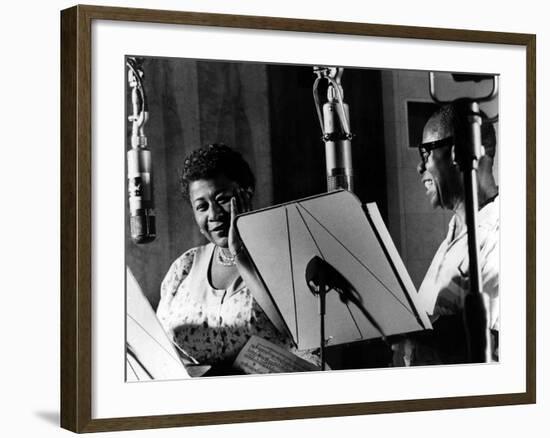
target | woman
x=205, y=305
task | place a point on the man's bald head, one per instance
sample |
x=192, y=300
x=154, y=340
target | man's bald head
x=440, y=174
x=441, y=125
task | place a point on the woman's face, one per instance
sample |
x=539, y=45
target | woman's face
x=211, y=203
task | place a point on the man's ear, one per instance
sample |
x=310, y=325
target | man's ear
x=482, y=152
x=453, y=155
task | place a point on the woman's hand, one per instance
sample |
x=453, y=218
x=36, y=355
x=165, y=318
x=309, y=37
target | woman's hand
x=240, y=203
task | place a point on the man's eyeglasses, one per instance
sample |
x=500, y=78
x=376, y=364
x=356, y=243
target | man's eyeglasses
x=425, y=148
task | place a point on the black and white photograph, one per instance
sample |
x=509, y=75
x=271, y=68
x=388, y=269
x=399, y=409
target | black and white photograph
x=275, y=219
x=287, y=218
x=266, y=218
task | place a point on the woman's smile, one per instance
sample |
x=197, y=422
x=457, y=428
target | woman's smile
x=211, y=201
x=220, y=228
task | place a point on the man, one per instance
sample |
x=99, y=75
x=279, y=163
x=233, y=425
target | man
x=447, y=280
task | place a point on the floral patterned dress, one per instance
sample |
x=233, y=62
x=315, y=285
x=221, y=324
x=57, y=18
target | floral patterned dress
x=210, y=325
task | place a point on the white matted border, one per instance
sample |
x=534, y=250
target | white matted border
x=112, y=397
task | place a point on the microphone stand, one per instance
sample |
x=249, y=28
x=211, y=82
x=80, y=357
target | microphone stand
x=321, y=278
x=467, y=129
x=467, y=132
x=317, y=281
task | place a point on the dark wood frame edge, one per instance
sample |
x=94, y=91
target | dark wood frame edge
x=76, y=226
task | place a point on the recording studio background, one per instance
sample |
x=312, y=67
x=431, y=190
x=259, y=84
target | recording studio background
x=267, y=113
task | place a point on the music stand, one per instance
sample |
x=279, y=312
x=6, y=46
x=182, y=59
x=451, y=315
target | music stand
x=349, y=240
x=149, y=353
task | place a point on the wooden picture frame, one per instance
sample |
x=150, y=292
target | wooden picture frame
x=76, y=217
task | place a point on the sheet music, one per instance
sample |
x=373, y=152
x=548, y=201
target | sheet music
x=260, y=356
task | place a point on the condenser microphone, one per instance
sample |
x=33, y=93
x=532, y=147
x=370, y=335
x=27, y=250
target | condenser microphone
x=140, y=195
x=334, y=121
x=337, y=147
x=138, y=158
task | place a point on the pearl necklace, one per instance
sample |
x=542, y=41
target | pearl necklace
x=224, y=259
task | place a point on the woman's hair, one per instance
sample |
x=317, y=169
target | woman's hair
x=212, y=161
